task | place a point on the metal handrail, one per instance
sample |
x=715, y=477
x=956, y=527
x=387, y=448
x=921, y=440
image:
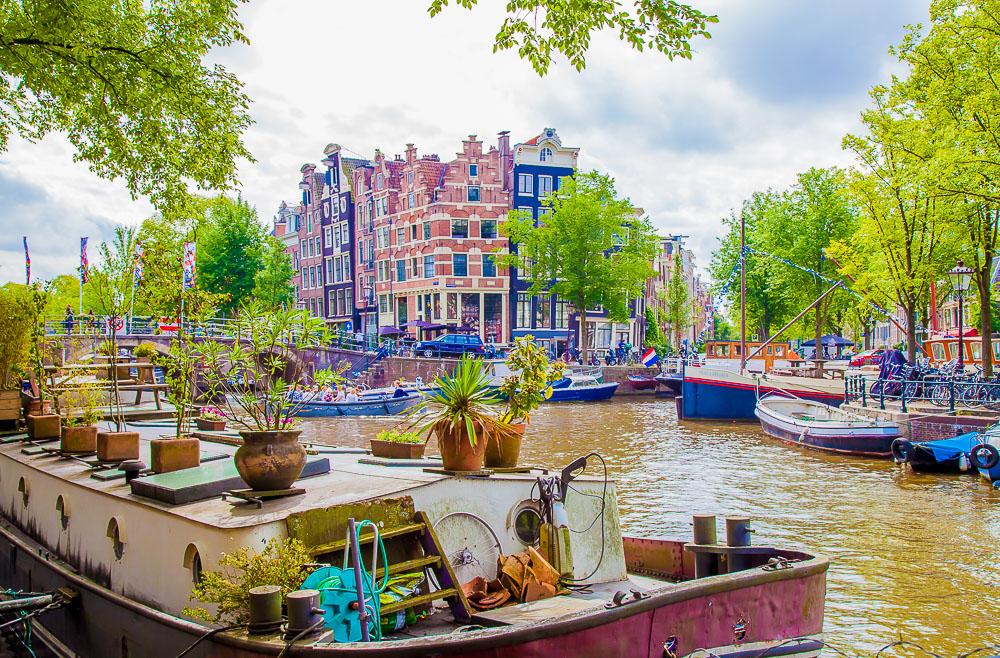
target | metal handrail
x=967, y=392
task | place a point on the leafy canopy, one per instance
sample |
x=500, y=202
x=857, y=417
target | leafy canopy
x=231, y=243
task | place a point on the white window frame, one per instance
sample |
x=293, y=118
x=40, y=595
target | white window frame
x=542, y=181
x=525, y=185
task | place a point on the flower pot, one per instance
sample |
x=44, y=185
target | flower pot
x=44, y=426
x=210, y=424
x=395, y=450
x=503, y=450
x=10, y=405
x=117, y=446
x=36, y=407
x=169, y=454
x=456, y=452
x=270, y=460
x=78, y=439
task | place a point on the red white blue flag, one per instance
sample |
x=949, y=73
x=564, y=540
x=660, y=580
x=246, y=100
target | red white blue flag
x=27, y=263
x=649, y=358
x=84, y=263
x=190, y=274
x=137, y=272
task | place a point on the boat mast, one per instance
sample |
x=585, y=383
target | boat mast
x=743, y=292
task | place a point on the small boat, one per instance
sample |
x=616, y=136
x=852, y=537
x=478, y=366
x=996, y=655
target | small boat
x=641, y=382
x=985, y=456
x=581, y=388
x=816, y=425
x=671, y=380
x=941, y=456
x=368, y=405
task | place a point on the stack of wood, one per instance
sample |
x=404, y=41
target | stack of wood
x=521, y=577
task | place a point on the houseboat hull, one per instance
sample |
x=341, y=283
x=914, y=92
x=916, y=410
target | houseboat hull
x=671, y=381
x=382, y=406
x=775, y=611
x=716, y=394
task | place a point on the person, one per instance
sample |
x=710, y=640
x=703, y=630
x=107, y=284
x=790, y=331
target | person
x=69, y=319
x=352, y=395
x=341, y=396
x=92, y=321
x=400, y=392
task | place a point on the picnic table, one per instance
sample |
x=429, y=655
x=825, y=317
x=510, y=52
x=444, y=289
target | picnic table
x=67, y=378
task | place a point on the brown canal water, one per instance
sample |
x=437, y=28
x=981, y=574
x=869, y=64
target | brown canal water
x=911, y=554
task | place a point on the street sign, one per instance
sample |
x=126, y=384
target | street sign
x=348, y=326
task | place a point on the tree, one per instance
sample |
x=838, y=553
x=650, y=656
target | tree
x=126, y=83
x=230, y=250
x=678, y=304
x=540, y=28
x=592, y=250
x=273, y=282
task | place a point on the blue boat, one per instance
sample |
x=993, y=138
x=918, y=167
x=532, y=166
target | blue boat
x=718, y=394
x=368, y=405
x=985, y=456
x=581, y=388
x=941, y=456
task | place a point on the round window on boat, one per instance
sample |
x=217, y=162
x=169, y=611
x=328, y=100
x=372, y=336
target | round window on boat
x=63, y=508
x=117, y=537
x=22, y=487
x=192, y=561
x=527, y=525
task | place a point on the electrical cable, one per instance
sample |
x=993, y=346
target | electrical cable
x=604, y=500
x=301, y=634
x=205, y=636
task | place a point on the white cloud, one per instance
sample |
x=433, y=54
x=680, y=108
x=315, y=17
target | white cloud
x=771, y=95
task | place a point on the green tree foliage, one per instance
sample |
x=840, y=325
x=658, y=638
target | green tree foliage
x=538, y=29
x=592, y=249
x=126, y=83
x=230, y=251
x=678, y=303
x=15, y=335
x=273, y=282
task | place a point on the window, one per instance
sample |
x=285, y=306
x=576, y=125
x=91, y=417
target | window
x=524, y=184
x=452, y=302
x=319, y=246
x=524, y=212
x=544, y=186
x=488, y=228
x=400, y=236
x=378, y=182
x=473, y=170
x=413, y=268
x=523, y=310
x=305, y=278
x=543, y=306
x=413, y=232
x=302, y=247
x=427, y=230
x=309, y=223
x=545, y=155
x=460, y=264
x=338, y=270
x=312, y=277
x=489, y=265
x=562, y=314
x=336, y=237
x=411, y=199
x=400, y=270
x=429, y=266
x=473, y=193
x=409, y=178
x=459, y=228
x=331, y=302
x=347, y=267
x=348, y=299
x=329, y=270
x=383, y=304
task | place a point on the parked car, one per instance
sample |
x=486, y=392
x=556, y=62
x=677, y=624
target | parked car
x=450, y=345
x=867, y=358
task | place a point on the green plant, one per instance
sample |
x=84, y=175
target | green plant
x=38, y=299
x=106, y=348
x=400, y=436
x=280, y=563
x=255, y=375
x=145, y=351
x=463, y=400
x=82, y=404
x=15, y=336
x=531, y=380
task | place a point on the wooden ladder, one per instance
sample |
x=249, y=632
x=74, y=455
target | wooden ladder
x=420, y=537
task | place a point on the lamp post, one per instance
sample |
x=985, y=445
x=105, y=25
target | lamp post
x=960, y=277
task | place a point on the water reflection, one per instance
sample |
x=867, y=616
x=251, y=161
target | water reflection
x=915, y=554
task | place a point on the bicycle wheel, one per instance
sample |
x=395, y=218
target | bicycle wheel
x=910, y=390
x=940, y=394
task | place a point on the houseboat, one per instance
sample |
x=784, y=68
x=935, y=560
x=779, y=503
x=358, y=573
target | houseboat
x=726, y=354
x=942, y=349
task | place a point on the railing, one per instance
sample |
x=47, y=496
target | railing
x=960, y=391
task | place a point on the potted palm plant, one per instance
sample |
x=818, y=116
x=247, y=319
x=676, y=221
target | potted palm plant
x=15, y=342
x=253, y=378
x=82, y=408
x=528, y=385
x=398, y=444
x=462, y=412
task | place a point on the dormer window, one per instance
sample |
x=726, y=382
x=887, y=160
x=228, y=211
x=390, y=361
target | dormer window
x=474, y=193
x=473, y=170
x=545, y=155
x=378, y=182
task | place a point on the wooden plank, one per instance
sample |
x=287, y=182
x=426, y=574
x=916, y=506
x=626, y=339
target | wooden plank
x=409, y=565
x=324, y=529
x=367, y=538
x=460, y=608
x=416, y=601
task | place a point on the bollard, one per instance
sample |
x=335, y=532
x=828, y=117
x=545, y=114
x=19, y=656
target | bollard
x=265, y=609
x=133, y=468
x=705, y=564
x=304, y=612
x=738, y=532
x=864, y=392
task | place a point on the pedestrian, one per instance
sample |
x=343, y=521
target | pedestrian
x=91, y=321
x=69, y=319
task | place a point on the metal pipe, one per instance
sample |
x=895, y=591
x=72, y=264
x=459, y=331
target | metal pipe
x=358, y=583
x=743, y=292
x=30, y=602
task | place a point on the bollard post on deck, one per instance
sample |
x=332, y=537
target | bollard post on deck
x=705, y=564
x=881, y=396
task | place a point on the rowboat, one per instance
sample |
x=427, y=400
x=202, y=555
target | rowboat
x=641, y=382
x=816, y=425
x=367, y=405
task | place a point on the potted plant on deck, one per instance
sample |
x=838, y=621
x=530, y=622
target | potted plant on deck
x=211, y=419
x=82, y=406
x=181, y=365
x=254, y=377
x=528, y=385
x=42, y=423
x=398, y=444
x=15, y=342
x=462, y=411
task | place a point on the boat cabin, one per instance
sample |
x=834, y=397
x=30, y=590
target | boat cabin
x=774, y=355
x=942, y=349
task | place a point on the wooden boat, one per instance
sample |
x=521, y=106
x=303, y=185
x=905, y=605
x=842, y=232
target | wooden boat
x=718, y=394
x=941, y=456
x=641, y=382
x=124, y=556
x=816, y=425
x=671, y=381
x=368, y=405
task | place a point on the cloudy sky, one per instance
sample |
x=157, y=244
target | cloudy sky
x=771, y=94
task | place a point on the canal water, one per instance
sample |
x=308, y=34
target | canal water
x=913, y=556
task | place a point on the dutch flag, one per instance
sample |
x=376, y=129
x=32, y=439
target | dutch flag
x=649, y=358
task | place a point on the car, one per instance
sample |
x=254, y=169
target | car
x=450, y=345
x=867, y=358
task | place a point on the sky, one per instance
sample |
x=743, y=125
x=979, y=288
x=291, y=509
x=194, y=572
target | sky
x=771, y=94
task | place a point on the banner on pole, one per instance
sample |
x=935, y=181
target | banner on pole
x=84, y=263
x=190, y=274
x=137, y=272
x=27, y=263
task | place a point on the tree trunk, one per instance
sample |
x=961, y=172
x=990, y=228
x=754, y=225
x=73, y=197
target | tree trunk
x=986, y=317
x=583, y=333
x=911, y=331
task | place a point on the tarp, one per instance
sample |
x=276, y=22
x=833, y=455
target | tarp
x=891, y=362
x=947, y=449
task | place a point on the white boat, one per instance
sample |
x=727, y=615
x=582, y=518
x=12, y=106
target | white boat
x=821, y=426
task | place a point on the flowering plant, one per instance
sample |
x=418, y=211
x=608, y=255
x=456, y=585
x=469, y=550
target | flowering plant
x=212, y=413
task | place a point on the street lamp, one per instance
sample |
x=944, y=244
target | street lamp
x=960, y=277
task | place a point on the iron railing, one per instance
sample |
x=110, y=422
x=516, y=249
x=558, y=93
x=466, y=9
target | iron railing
x=960, y=391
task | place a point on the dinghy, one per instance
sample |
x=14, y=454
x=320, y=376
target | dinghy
x=816, y=425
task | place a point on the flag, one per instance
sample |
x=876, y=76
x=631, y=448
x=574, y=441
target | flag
x=27, y=263
x=84, y=264
x=137, y=269
x=649, y=358
x=190, y=276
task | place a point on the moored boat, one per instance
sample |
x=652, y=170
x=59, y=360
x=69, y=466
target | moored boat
x=671, y=381
x=582, y=388
x=941, y=456
x=366, y=405
x=719, y=394
x=985, y=455
x=816, y=425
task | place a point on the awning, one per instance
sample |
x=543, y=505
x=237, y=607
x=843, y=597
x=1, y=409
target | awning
x=389, y=331
x=419, y=324
x=829, y=340
x=463, y=329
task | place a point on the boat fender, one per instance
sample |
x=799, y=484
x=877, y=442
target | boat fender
x=902, y=451
x=963, y=462
x=803, y=435
x=984, y=456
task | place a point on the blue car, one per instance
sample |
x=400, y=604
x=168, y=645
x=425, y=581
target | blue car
x=450, y=345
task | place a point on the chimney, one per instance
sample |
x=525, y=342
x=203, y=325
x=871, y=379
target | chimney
x=506, y=160
x=411, y=153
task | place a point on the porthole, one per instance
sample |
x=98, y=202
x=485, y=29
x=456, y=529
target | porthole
x=528, y=526
x=23, y=488
x=62, y=507
x=117, y=537
x=192, y=561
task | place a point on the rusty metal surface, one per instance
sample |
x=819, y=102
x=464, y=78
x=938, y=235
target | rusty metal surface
x=656, y=557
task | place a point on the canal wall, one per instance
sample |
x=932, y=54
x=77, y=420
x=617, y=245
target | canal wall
x=927, y=422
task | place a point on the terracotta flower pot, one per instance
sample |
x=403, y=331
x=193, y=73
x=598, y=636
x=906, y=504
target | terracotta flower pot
x=117, y=446
x=270, y=460
x=36, y=407
x=210, y=424
x=393, y=450
x=503, y=450
x=456, y=452
x=44, y=426
x=78, y=439
x=171, y=454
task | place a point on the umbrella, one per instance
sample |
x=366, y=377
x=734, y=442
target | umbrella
x=389, y=331
x=829, y=340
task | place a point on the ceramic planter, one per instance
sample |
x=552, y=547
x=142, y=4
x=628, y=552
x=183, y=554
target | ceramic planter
x=169, y=454
x=268, y=461
x=44, y=426
x=117, y=446
x=503, y=451
x=394, y=450
x=457, y=454
x=78, y=439
x=210, y=424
